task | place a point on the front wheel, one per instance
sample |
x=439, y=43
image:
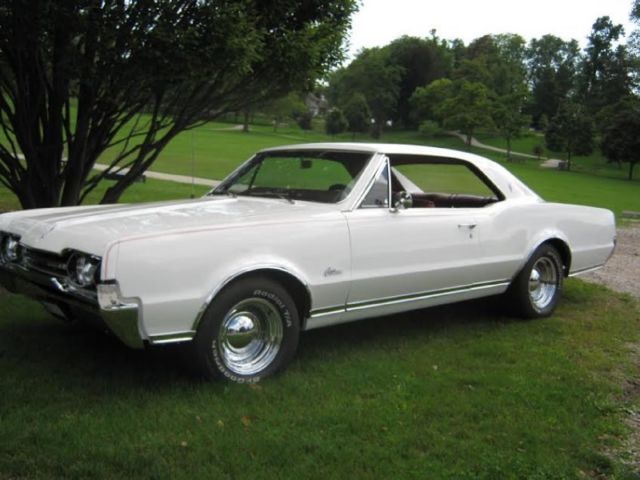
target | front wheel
x=250, y=331
x=536, y=290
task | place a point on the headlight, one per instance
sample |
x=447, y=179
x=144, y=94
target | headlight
x=10, y=249
x=83, y=269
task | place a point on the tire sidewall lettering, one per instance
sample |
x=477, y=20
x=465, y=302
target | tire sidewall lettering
x=275, y=299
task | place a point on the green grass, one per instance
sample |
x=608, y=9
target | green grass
x=595, y=163
x=456, y=392
x=213, y=150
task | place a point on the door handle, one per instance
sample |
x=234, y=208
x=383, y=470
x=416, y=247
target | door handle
x=470, y=226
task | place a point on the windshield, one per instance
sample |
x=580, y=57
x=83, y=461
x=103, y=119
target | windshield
x=315, y=176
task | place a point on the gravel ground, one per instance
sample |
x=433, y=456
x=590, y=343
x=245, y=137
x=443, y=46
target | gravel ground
x=622, y=271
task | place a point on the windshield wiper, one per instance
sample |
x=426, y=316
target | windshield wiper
x=273, y=193
x=224, y=192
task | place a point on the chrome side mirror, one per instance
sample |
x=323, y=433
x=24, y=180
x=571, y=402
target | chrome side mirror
x=401, y=201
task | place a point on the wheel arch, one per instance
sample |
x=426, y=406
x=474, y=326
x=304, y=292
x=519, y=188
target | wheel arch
x=560, y=244
x=298, y=288
x=565, y=253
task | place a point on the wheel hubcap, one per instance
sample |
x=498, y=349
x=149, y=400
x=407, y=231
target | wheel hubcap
x=543, y=283
x=250, y=336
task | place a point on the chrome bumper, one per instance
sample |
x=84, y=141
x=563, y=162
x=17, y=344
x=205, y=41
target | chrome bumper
x=121, y=316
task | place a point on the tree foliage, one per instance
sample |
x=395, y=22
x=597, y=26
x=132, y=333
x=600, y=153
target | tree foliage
x=357, y=114
x=571, y=131
x=621, y=139
x=605, y=71
x=552, y=65
x=468, y=108
x=335, y=123
x=289, y=106
x=376, y=77
x=78, y=78
x=509, y=118
x=420, y=61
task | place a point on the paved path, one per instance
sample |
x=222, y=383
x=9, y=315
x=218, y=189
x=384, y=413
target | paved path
x=207, y=182
x=549, y=163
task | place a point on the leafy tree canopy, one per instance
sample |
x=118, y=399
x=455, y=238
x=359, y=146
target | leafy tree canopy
x=374, y=75
x=335, y=123
x=621, y=139
x=571, y=131
x=78, y=78
x=357, y=114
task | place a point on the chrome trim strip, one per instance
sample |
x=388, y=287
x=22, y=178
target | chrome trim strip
x=175, y=337
x=409, y=298
x=586, y=270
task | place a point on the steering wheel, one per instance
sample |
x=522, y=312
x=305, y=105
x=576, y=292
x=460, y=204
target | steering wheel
x=337, y=187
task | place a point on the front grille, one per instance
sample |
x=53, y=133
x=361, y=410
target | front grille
x=44, y=262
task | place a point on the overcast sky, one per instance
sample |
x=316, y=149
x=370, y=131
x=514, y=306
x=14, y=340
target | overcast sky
x=380, y=21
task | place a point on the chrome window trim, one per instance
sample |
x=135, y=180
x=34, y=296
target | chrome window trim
x=371, y=182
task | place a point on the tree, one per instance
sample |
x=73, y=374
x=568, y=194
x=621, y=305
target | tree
x=421, y=61
x=467, y=109
x=357, y=114
x=605, y=72
x=426, y=101
x=373, y=74
x=78, y=78
x=335, y=123
x=497, y=61
x=288, y=106
x=621, y=139
x=509, y=119
x=552, y=67
x=570, y=131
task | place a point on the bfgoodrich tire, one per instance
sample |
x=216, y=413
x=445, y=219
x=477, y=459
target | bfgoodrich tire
x=535, y=292
x=249, y=332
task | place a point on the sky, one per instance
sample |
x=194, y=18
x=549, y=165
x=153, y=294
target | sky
x=380, y=21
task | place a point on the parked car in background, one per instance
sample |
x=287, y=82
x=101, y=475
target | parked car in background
x=303, y=237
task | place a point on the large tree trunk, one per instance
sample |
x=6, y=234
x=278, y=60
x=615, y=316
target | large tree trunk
x=631, y=167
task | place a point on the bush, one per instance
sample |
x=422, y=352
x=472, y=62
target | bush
x=335, y=122
x=429, y=128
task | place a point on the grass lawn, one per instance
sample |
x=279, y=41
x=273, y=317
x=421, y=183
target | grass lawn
x=457, y=392
x=214, y=150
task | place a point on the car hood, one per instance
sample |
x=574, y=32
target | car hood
x=91, y=228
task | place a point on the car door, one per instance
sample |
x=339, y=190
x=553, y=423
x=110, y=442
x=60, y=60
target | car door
x=405, y=252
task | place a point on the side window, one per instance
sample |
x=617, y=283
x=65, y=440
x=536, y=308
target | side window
x=442, y=185
x=378, y=196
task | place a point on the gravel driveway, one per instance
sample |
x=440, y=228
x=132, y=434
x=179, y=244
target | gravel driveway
x=622, y=271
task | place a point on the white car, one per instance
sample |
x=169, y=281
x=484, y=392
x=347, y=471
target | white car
x=302, y=237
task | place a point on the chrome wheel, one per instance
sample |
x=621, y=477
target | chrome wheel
x=543, y=283
x=250, y=336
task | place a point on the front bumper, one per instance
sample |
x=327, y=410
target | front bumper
x=121, y=316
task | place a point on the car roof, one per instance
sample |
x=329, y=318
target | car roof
x=504, y=180
x=387, y=149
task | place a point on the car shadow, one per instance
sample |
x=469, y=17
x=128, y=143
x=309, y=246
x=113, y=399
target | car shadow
x=83, y=357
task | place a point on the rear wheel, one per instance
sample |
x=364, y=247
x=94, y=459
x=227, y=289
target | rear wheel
x=250, y=331
x=536, y=290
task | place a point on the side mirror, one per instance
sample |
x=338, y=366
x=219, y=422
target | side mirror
x=401, y=201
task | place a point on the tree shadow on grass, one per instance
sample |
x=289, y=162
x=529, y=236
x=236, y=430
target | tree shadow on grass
x=81, y=357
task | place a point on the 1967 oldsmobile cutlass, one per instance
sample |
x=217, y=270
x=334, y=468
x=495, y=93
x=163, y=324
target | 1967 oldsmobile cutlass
x=302, y=237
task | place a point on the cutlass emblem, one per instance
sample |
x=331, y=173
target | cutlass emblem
x=330, y=271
